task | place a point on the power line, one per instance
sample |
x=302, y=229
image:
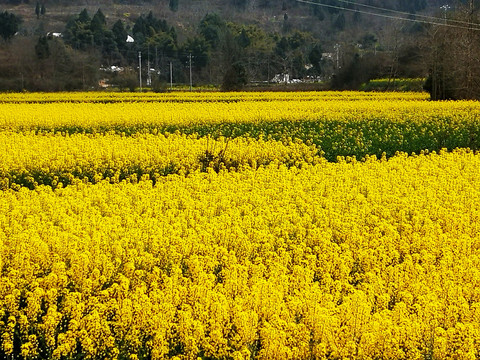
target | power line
x=190, y=60
x=393, y=17
x=439, y=21
x=435, y=18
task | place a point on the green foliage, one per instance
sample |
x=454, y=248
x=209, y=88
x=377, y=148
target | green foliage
x=78, y=32
x=318, y=12
x=98, y=22
x=159, y=85
x=173, y=5
x=198, y=47
x=368, y=41
x=315, y=58
x=164, y=43
x=394, y=85
x=98, y=28
x=332, y=9
x=243, y=39
x=440, y=85
x=235, y=78
x=359, y=138
x=340, y=21
x=9, y=24
x=358, y=69
x=264, y=3
x=335, y=138
x=83, y=17
x=240, y=4
x=42, y=49
x=292, y=52
x=127, y=80
x=211, y=28
x=120, y=35
x=147, y=26
x=252, y=36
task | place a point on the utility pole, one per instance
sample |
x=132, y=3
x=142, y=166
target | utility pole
x=268, y=70
x=171, y=76
x=190, y=60
x=149, y=76
x=140, y=69
x=445, y=8
x=337, y=50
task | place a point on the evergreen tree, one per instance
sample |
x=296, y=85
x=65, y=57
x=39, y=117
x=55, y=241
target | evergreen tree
x=198, y=47
x=240, y=4
x=164, y=43
x=83, y=17
x=146, y=26
x=78, y=32
x=120, y=35
x=211, y=27
x=243, y=39
x=98, y=21
x=9, y=24
x=235, y=78
x=315, y=58
x=42, y=49
x=318, y=12
x=37, y=10
x=173, y=5
x=110, y=50
x=264, y=3
x=97, y=26
x=339, y=23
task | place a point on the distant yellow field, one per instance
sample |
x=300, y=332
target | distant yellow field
x=100, y=111
x=113, y=97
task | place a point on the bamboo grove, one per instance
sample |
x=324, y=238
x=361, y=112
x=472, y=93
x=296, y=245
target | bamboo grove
x=239, y=226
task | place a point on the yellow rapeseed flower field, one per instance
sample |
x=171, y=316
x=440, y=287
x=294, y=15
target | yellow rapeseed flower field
x=207, y=226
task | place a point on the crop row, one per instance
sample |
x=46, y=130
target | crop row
x=345, y=125
x=186, y=97
x=30, y=160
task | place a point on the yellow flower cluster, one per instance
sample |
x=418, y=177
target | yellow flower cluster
x=365, y=260
x=56, y=159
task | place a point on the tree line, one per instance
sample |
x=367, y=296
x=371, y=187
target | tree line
x=219, y=52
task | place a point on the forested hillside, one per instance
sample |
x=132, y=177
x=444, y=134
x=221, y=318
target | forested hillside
x=66, y=44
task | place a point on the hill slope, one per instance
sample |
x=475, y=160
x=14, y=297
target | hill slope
x=230, y=41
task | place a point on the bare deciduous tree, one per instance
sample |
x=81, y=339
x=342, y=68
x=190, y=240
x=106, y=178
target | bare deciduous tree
x=454, y=61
